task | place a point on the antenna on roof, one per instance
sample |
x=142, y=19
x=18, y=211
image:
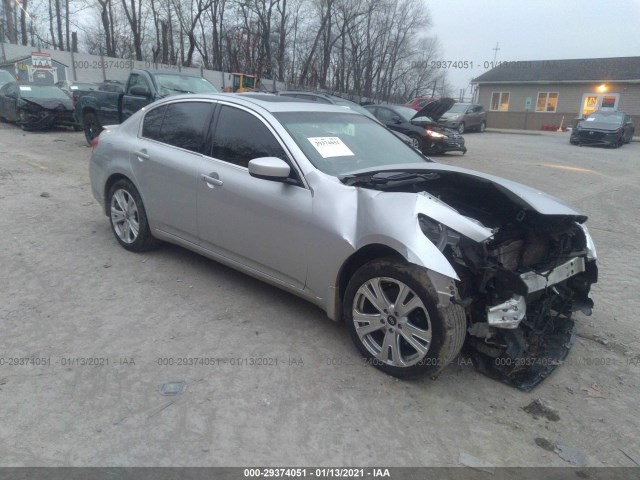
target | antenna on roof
x=495, y=54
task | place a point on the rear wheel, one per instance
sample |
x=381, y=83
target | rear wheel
x=91, y=126
x=392, y=314
x=461, y=128
x=129, y=218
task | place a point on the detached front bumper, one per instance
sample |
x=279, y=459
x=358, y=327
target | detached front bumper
x=47, y=119
x=510, y=313
x=598, y=138
x=447, y=144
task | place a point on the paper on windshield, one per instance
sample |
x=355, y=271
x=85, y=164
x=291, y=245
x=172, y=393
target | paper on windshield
x=330, y=147
x=25, y=88
x=590, y=119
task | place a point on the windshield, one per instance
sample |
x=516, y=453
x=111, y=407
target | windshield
x=613, y=118
x=337, y=143
x=42, y=91
x=5, y=77
x=184, y=84
x=458, y=108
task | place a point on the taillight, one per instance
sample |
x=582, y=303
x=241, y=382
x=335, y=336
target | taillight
x=94, y=142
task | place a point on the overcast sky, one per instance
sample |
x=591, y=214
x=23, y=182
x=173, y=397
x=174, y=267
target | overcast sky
x=532, y=30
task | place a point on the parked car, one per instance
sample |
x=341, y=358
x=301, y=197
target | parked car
x=111, y=86
x=34, y=106
x=68, y=86
x=422, y=127
x=5, y=77
x=465, y=116
x=418, y=103
x=335, y=100
x=611, y=129
x=413, y=255
x=97, y=108
x=326, y=98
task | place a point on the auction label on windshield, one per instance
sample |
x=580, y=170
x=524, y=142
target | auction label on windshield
x=330, y=147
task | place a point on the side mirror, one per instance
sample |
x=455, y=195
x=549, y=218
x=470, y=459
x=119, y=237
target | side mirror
x=396, y=119
x=139, y=92
x=269, y=168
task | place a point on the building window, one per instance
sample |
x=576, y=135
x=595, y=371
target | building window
x=547, y=102
x=500, y=101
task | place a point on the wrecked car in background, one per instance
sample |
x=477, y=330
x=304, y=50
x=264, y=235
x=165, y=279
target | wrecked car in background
x=418, y=258
x=422, y=126
x=609, y=129
x=36, y=107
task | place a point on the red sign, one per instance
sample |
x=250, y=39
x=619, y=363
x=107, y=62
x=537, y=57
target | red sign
x=41, y=60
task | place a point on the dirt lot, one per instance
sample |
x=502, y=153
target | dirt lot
x=68, y=291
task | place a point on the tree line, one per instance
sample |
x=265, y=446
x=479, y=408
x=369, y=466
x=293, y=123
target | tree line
x=378, y=49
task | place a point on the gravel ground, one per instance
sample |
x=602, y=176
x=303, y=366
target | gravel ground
x=68, y=292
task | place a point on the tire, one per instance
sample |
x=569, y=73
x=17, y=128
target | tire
x=128, y=217
x=20, y=119
x=461, y=128
x=91, y=126
x=414, y=338
x=416, y=142
x=482, y=127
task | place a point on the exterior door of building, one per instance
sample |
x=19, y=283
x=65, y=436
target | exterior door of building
x=591, y=102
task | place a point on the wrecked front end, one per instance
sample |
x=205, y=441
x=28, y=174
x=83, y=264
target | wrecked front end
x=524, y=263
x=521, y=285
x=44, y=115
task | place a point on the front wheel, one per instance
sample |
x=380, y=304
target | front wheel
x=461, y=128
x=416, y=142
x=23, y=120
x=91, y=126
x=482, y=127
x=391, y=311
x=129, y=218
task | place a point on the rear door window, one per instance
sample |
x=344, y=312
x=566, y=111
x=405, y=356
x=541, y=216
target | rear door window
x=152, y=123
x=185, y=124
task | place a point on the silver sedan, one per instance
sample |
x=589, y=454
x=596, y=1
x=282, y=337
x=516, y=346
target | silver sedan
x=417, y=258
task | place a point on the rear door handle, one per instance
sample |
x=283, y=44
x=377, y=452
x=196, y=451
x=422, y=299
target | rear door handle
x=142, y=155
x=212, y=180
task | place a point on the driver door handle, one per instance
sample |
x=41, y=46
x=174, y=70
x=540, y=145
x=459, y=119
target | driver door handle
x=211, y=181
x=142, y=155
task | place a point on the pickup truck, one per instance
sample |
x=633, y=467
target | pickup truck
x=95, y=108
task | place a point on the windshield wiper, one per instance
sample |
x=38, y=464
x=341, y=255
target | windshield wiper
x=177, y=90
x=386, y=179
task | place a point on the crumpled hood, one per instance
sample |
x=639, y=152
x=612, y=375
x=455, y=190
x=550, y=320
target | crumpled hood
x=523, y=195
x=50, y=103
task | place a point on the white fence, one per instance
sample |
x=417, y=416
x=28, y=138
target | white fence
x=95, y=68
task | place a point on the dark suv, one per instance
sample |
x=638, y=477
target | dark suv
x=465, y=116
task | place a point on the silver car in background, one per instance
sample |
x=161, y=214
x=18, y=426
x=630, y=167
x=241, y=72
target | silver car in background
x=464, y=117
x=417, y=258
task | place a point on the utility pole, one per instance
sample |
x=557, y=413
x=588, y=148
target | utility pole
x=495, y=54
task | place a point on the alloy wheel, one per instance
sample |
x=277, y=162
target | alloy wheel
x=125, y=216
x=392, y=322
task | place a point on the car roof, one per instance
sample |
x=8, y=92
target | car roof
x=265, y=101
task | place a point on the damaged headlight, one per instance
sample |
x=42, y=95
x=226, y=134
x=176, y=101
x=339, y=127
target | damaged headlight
x=591, y=247
x=434, y=134
x=439, y=234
